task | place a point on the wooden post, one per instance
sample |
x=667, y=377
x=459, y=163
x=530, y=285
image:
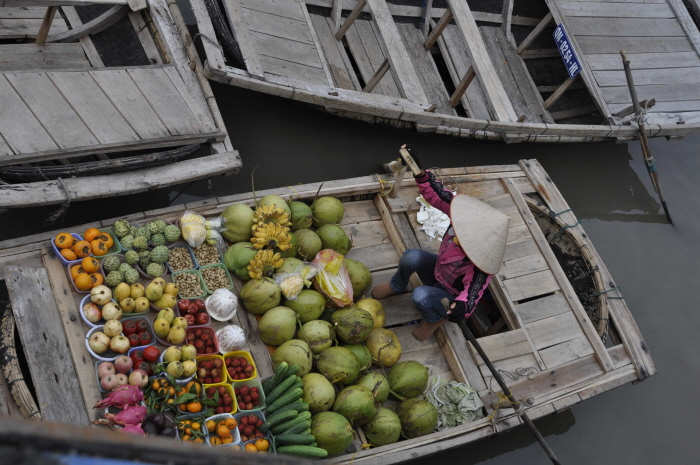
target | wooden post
x=372, y=83
x=397, y=182
x=507, y=14
x=336, y=12
x=559, y=92
x=427, y=13
x=437, y=30
x=350, y=19
x=462, y=87
x=534, y=33
x=46, y=24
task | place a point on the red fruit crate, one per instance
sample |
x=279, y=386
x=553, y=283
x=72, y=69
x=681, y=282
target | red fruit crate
x=249, y=361
x=202, y=363
x=205, y=334
x=241, y=397
x=243, y=424
x=228, y=391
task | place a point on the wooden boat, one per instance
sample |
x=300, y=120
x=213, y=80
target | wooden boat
x=485, y=74
x=102, y=98
x=540, y=324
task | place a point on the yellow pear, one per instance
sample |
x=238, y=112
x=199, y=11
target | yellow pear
x=137, y=290
x=176, y=335
x=127, y=305
x=168, y=314
x=166, y=301
x=180, y=322
x=153, y=291
x=141, y=304
x=160, y=281
x=161, y=327
x=171, y=289
x=121, y=292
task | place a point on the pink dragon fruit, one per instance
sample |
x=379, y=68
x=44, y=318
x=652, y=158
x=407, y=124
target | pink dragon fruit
x=131, y=415
x=121, y=396
x=134, y=429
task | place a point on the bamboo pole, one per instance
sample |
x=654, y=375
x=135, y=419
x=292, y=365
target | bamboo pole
x=646, y=151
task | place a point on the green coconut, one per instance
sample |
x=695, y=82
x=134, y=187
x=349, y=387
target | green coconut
x=360, y=277
x=375, y=308
x=238, y=221
x=362, y=353
x=319, y=393
x=356, y=403
x=327, y=314
x=352, y=324
x=302, y=218
x=292, y=252
x=383, y=429
x=408, y=379
x=418, y=417
x=334, y=237
x=327, y=210
x=318, y=334
x=338, y=364
x=376, y=383
x=333, y=432
x=309, y=305
x=309, y=244
x=237, y=258
x=260, y=295
x=275, y=200
x=384, y=346
x=294, y=352
x=277, y=325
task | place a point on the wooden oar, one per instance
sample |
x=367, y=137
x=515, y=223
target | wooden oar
x=646, y=151
x=516, y=405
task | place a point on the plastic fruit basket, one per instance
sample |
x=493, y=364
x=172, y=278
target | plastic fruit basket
x=251, y=383
x=229, y=390
x=206, y=358
x=183, y=380
x=57, y=251
x=150, y=329
x=212, y=334
x=189, y=250
x=258, y=414
x=247, y=356
x=116, y=247
x=108, y=356
x=87, y=300
x=234, y=432
x=201, y=283
x=220, y=261
x=215, y=265
x=70, y=277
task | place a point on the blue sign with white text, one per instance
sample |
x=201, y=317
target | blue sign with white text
x=573, y=65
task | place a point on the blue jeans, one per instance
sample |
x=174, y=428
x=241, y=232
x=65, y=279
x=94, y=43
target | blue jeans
x=426, y=298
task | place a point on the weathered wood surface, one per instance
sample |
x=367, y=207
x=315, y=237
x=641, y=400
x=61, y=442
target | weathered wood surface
x=53, y=373
x=47, y=56
x=23, y=22
x=95, y=26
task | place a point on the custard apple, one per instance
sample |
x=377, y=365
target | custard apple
x=155, y=270
x=121, y=228
x=159, y=254
x=132, y=257
x=156, y=227
x=131, y=276
x=114, y=279
x=124, y=267
x=144, y=261
x=140, y=243
x=158, y=239
x=127, y=241
x=133, y=229
x=171, y=232
x=143, y=231
x=111, y=263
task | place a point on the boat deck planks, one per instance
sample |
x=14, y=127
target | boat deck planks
x=46, y=56
x=24, y=22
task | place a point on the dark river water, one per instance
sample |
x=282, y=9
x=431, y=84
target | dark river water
x=654, y=263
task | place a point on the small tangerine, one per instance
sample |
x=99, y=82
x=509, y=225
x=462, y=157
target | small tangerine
x=155, y=386
x=182, y=407
x=64, y=240
x=83, y=282
x=223, y=432
x=230, y=423
x=188, y=431
x=198, y=441
x=196, y=426
x=97, y=279
x=90, y=264
x=82, y=249
x=171, y=390
x=250, y=448
x=262, y=444
x=170, y=401
x=98, y=247
x=186, y=437
x=107, y=238
x=196, y=385
x=227, y=440
x=91, y=234
x=215, y=441
x=68, y=254
x=211, y=426
x=194, y=407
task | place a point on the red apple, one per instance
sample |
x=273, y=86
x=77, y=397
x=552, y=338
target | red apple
x=151, y=354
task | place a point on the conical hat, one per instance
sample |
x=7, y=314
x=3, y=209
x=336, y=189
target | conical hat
x=481, y=230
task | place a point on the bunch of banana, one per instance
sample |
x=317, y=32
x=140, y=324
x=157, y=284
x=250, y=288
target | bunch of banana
x=264, y=263
x=270, y=214
x=271, y=235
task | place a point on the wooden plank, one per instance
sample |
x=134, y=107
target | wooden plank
x=359, y=211
x=625, y=27
x=47, y=56
x=663, y=107
x=522, y=266
x=343, y=29
x=532, y=285
x=399, y=309
x=372, y=83
x=608, y=44
x=338, y=61
x=166, y=101
x=278, y=26
x=644, y=77
x=513, y=371
x=556, y=95
x=460, y=360
x=285, y=49
x=5, y=149
x=548, y=306
x=517, y=234
x=198, y=108
x=93, y=55
x=51, y=109
x=616, y=10
x=438, y=29
x=377, y=257
x=554, y=330
x=93, y=107
x=283, y=8
x=520, y=249
x=367, y=234
x=638, y=61
x=317, y=42
x=493, y=88
x=46, y=24
x=214, y=54
x=687, y=22
x=149, y=45
x=293, y=70
x=94, y=26
x=241, y=32
x=507, y=14
x=127, y=98
x=666, y=93
x=372, y=43
x=23, y=12
x=566, y=352
x=46, y=349
x=425, y=17
x=502, y=346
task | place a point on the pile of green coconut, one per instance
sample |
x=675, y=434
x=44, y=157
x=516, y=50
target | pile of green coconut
x=341, y=352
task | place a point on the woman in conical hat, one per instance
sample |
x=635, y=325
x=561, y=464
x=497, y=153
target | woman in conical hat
x=472, y=250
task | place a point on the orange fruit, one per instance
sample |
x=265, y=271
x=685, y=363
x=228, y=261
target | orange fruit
x=182, y=407
x=68, y=254
x=198, y=440
x=64, y=240
x=194, y=407
x=82, y=249
x=236, y=447
x=215, y=441
x=250, y=448
x=105, y=237
x=76, y=270
x=196, y=426
x=211, y=426
x=227, y=440
x=262, y=444
x=230, y=423
x=91, y=234
x=186, y=437
x=99, y=247
x=196, y=385
x=97, y=279
x=223, y=432
x=90, y=264
x=83, y=282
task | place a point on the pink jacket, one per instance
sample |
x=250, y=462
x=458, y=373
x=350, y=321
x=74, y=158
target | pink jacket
x=454, y=271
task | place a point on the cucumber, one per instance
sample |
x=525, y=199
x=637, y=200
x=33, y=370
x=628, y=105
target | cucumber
x=300, y=406
x=299, y=428
x=286, y=398
x=281, y=388
x=295, y=439
x=292, y=370
x=278, y=418
x=279, y=375
x=307, y=451
x=314, y=444
x=281, y=428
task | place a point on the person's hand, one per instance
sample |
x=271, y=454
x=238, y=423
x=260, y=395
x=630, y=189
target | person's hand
x=457, y=311
x=415, y=159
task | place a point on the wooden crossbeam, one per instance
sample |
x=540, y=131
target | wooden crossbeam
x=507, y=13
x=372, y=83
x=336, y=12
x=350, y=19
x=437, y=30
x=462, y=87
x=99, y=24
x=534, y=33
x=46, y=25
x=425, y=17
x=630, y=109
x=559, y=92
